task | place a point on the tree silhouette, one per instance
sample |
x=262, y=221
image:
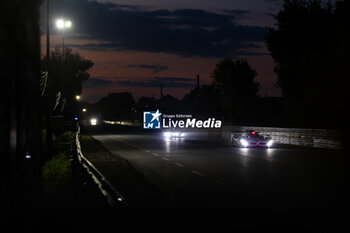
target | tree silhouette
x=203, y=102
x=234, y=82
x=68, y=71
x=310, y=47
x=116, y=106
x=146, y=103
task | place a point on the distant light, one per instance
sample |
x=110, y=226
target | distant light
x=84, y=109
x=93, y=121
x=77, y=97
x=68, y=24
x=75, y=118
x=28, y=156
x=167, y=134
x=60, y=23
x=253, y=132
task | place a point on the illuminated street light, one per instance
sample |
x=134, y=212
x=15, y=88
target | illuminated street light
x=68, y=24
x=62, y=25
x=84, y=109
x=77, y=97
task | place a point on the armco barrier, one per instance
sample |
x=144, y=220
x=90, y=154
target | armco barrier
x=124, y=123
x=295, y=136
x=319, y=138
x=114, y=198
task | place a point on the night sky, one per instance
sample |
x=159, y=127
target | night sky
x=136, y=44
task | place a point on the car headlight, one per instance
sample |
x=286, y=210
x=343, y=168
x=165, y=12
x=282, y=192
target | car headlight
x=244, y=142
x=167, y=134
x=269, y=143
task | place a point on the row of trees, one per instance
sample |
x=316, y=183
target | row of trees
x=232, y=96
x=311, y=50
x=233, y=86
x=68, y=70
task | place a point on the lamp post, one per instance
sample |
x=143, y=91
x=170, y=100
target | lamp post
x=62, y=25
x=48, y=111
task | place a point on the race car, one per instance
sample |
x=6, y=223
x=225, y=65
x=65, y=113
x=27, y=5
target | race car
x=174, y=134
x=251, y=138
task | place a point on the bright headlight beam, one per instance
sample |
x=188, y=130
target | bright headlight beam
x=173, y=134
x=269, y=143
x=244, y=142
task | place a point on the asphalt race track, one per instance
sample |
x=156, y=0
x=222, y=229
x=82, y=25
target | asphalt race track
x=203, y=174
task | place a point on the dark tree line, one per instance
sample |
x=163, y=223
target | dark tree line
x=233, y=82
x=311, y=50
x=118, y=106
x=68, y=70
x=231, y=95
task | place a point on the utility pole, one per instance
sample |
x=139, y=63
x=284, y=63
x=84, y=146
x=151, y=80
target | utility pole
x=198, y=89
x=48, y=112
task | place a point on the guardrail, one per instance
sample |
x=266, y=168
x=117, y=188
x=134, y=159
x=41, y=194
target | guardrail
x=125, y=123
x=320, y=138
x=114, y=198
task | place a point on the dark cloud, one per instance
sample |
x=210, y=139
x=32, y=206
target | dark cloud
x=168, y=82
x=187, y=32
x=95, y=82
x=235, y=12
x=154, y=68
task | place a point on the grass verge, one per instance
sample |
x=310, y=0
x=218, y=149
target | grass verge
x=56, y=174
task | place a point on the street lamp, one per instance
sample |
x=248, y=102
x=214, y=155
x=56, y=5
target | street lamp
x=62, y=25
x=77, y=97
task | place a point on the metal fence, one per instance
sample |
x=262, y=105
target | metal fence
x=295, y=136
x=114, y=198
x=319, y=138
